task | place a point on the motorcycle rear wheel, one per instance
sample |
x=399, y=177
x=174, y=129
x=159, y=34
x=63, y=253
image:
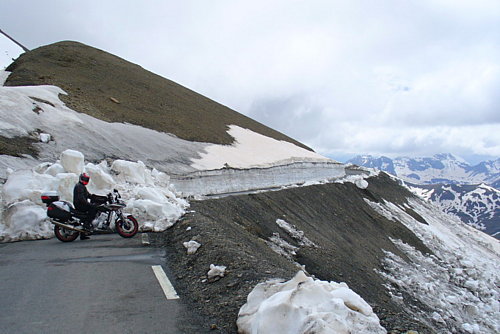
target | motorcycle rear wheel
x=65, y=235
x=128, y=227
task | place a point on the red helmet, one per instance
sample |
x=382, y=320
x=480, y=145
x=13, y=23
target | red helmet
x=84, y=178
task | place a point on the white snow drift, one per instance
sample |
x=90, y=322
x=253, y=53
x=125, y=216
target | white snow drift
x=145, y=191
x=460, y=282
x=251, y=150
x=306, y=305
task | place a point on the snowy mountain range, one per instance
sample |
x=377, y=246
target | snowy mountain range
x=476, y=205
x=442, y=168
x=469, y=192
x=354, y=250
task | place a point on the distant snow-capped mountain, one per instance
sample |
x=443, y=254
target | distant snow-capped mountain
x=469, y=192
x=442, y=168
x=476, y=205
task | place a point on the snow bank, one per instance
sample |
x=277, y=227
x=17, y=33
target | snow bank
x=230, y=180
x=306, y=305
x=3, y=76
x=251, y=149
x=460, y=282
x=146, y=192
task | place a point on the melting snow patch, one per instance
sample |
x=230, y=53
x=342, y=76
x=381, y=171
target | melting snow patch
x=459, y=283
x=295, y=233
x=282, y=247
x=216, y=271
x=456, y=290
x=306, y=305
x=192, y=246
x=252, y=149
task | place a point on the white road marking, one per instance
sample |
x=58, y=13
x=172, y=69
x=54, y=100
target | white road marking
x=167, y=287
x=145, y=239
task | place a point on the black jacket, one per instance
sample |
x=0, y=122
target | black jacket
x=81, y=197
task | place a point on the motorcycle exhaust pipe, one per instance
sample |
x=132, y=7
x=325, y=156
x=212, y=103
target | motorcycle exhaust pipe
x=68, y=227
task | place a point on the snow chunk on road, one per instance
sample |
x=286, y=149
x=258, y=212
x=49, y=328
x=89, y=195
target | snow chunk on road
x=252, y=149
x=306, y=305
x=158, y=208
x=72, y=161
x=24, y=220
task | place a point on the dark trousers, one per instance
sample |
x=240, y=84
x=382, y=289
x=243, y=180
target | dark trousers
x=91, y=212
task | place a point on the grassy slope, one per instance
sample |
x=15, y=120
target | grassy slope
x=96, y=80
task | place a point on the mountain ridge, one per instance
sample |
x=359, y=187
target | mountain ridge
x=112, y=89
x=454, y=185
x=440, y=168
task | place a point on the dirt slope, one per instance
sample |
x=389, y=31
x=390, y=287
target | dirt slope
x=233, y=232
x=113, y=89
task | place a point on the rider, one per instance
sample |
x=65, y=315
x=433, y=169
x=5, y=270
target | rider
x=81, y=200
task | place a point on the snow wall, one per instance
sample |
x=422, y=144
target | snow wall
x=231, y=180
x=147, y=193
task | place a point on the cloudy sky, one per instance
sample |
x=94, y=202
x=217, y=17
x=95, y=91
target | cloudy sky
x=386, y=77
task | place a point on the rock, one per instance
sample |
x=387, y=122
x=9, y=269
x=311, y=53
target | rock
x=231, y=284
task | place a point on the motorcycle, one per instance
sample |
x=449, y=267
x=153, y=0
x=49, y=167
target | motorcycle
x=68, y=222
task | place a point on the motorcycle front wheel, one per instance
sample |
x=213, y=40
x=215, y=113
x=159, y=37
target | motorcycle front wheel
x=127, y=227
x=65, y=235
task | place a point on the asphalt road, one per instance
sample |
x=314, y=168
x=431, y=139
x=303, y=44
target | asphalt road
x=102, y=285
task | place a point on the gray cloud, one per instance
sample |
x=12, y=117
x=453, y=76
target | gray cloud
x=380, y=77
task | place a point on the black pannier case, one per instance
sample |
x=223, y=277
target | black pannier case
x=59, y=210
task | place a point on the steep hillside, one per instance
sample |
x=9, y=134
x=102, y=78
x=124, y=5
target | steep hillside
x=348, y=237
x=336, y=235
x=112, y=89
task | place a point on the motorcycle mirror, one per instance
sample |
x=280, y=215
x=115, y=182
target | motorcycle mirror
x=115, y=191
